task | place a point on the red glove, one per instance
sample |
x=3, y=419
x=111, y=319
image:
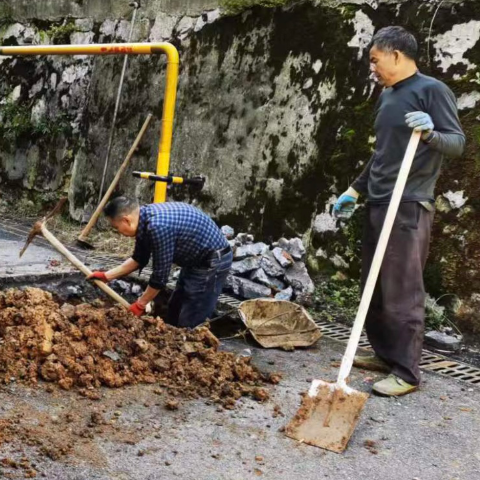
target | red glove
x=137, y=309
x=98, y=276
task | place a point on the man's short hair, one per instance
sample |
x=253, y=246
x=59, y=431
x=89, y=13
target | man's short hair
x=393, y=38
x=120, y=206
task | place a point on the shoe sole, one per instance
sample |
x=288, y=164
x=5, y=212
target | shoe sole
x=382, y=394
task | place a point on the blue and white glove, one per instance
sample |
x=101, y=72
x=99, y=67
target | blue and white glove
x=420, y=122
x=345, y=205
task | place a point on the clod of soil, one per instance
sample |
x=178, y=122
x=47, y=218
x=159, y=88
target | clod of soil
x=86, y=347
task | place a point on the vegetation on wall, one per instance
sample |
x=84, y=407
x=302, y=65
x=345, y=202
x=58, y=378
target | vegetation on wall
x=60, y=34
x=16, y=123
x=237, y=6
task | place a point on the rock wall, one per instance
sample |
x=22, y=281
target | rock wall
x=274, y=107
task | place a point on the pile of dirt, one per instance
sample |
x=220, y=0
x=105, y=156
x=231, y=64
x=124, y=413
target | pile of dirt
x=86, y=347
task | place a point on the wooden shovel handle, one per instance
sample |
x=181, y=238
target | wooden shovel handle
x=86, y=231
x=347, y=360
x=83, y=268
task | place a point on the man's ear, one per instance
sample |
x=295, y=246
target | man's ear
x=397, y=56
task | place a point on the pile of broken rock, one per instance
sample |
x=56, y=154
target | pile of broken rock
x=260, y=270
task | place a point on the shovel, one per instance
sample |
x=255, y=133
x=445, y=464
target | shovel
x=82, y=239
x=329, y=412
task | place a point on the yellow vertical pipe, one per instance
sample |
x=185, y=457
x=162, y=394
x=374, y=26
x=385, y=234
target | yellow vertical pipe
x=165, y=143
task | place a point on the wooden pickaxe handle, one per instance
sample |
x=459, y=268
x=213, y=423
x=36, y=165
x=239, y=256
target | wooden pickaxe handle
x=86, y=231
x=83, y=268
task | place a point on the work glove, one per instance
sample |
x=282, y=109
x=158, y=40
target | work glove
x=420, y=122
x=137, y=309
x=98, y=276
x=345, y=205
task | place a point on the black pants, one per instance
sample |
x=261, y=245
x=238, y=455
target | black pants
x=197, y=291
x=396, y=317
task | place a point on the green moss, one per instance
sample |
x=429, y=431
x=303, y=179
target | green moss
x=233, y=7
x=336, y=300
x=17, y=124
x=60, y=34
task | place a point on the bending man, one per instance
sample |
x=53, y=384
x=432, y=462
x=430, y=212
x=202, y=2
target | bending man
x=179, y=233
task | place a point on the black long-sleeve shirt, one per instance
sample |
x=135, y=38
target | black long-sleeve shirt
x=416, y=93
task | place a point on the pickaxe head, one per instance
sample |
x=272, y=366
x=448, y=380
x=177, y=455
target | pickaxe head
x=37, y=227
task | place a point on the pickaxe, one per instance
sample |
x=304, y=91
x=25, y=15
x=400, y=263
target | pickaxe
x=39, y=228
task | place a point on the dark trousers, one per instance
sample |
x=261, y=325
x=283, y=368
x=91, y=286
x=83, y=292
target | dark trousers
x=396, y=317
x=197, y=292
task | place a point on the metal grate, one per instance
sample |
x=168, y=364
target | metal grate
x=430, y=361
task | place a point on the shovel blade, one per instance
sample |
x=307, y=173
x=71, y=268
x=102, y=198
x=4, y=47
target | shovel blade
x=327, y=416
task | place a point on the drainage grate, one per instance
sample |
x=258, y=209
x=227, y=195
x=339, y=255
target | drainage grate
x=430, y=361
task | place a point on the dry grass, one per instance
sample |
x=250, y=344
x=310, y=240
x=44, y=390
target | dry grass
x=105, y=240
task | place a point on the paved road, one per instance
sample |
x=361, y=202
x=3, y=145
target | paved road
x=36, y=261
x=430, y=435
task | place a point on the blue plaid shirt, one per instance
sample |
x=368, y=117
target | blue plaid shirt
x=174, y=232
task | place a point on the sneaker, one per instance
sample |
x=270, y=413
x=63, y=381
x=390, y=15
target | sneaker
x=371, y=362
x=393, y=386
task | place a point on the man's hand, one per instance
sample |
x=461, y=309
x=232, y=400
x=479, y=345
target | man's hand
x=345, y=205
x=98, y=276
x=137, y=309
x=420, y=122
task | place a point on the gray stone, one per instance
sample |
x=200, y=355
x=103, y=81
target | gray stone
x=284, y=294
x=443, y=341
x=84, y=24
x=108, y=27
x=250, y=250
x=246, y=265
x=21, y=33
x=123, y=30
x=271, y=266
x=37, y=87
x=82, y=38
x=260, y=276
x=228, y=231
x=68, y=310
x=338, y=261
x=250, y=239
x=295, y=248
x=297, y=276
x=282, y=257
x=241, y=238
x=15, y=94
x=38, y=111
x=245, y=288
x=122, y=285
x=455, y=199
x=74, y=290
x=324, y=222
x=136, y=289
x=163, y=27
x=111, y=355
x=207, y=17
x=185, y=26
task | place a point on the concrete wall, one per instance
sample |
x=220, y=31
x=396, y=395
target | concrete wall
x=99, y=10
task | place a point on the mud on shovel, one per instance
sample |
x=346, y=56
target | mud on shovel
x=329, y=412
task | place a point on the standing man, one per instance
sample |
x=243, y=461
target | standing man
x=177, y=233
x=410, y=100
